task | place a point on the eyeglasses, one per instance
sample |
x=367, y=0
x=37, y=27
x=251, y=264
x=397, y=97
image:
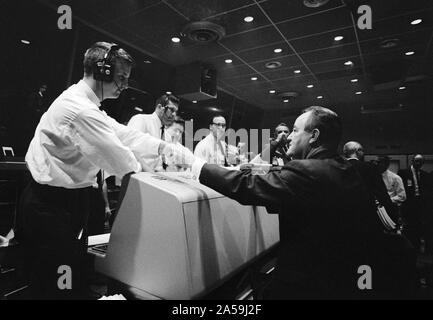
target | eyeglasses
x=171, y=108
x=221, y=125
x=285, y=131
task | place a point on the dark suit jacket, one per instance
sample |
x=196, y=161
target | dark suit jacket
x=374, y=182
x=328, y=222
x=424, y=182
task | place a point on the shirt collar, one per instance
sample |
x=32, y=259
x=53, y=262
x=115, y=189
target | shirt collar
x=89, y=92
x=157, y=120
x=321, y=153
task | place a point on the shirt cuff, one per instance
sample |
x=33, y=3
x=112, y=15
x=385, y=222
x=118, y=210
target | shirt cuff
x=196, y=168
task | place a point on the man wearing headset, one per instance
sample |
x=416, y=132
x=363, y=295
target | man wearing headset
x=73, y=141
x=155, y=123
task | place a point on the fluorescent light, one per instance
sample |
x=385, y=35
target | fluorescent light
x=297, y=71
x=271, y=91
x=320, y=97
x=278, y=50
x=254, y=78
x=248, y=19
x=138, y=109
x=416, y=21
x=310, y=86
x=338, y=38
x=348, y=63
x=286, y=100
x=410, y=53
x=228, y=60
x=358, y=92
x=25, y=41
x=354, y=80
x=175, y=39
x=402, y=88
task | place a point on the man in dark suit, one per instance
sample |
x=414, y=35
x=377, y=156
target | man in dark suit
x=328, y=223
x=417, y=208
x=354, y=153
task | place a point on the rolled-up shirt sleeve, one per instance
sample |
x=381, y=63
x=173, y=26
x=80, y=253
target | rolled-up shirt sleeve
x=96, y=139
x=143, y=145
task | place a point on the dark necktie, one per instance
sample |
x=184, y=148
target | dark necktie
x=164, y=164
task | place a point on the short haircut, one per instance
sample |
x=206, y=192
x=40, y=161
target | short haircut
x=165, y=99
x=282, y=124
x=218, y=116
x=97, y=52
x=327, y=122
x=350, y=148
x=179, y=120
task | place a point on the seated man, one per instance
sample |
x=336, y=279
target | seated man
x=213, y=148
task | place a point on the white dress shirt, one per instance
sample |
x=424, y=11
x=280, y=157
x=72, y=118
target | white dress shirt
x=74, y=140
x=151, y=124
x=395, y=187
x=147, y=123
x=212, y=152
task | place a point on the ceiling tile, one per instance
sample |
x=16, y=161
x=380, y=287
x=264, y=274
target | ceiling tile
x=252, y=39
x=279, y=10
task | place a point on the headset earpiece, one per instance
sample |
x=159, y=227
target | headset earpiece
x=104, y=70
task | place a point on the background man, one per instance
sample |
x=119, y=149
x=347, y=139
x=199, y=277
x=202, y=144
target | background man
x=276, y=151
x=155, y=123
x=418, y=206
x=213, y=148
x=393, y=182
x=370, y=173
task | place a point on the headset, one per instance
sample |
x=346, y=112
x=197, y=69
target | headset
x=104, y=70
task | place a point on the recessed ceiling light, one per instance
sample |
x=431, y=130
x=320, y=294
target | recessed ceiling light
x=175, y=39
x=354, y=80
x=194, y=101
x=278, y=50
x=402, y=88
x=320, y=97
x=228, y=60
x=168, y=92
x=254, y=78
x=147, y=61
x=348, y=63
x=416, y=21
x=271, y=91
x=138, y=109
x=310, y=86
x=410, y=53
x=286, y=100
x=358, y=92
x=338, y=38
x=297, y=71
x=248, y=19
x=25, y=41
x=273, y=64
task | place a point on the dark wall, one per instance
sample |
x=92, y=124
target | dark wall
x=55, y=57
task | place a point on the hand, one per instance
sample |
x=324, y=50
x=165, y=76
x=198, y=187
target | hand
x=282, y=139
x=166, y=149
x=182, y=156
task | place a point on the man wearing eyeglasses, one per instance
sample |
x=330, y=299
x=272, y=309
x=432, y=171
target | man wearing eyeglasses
x=155, y=123
x=276, y=151
x=213, y=149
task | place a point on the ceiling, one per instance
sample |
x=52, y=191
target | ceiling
x=305, y=35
